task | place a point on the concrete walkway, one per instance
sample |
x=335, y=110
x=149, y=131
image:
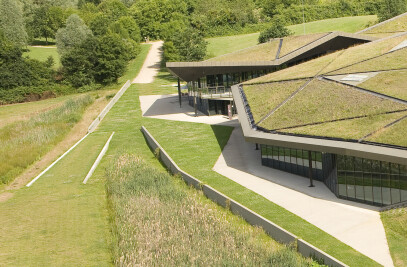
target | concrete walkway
x=151, y=65
x=167, y=107
x=355, y=224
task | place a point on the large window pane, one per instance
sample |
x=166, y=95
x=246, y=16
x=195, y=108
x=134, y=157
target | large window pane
x=342, y=183
x=403, y=182
x=395, y=183
x=350, y=187
x=340, y=161
x=359, y=185
x=377, y=190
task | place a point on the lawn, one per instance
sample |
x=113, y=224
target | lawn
x=42, y=54
x=222, y=45
x=395, y=225
x=323, y=101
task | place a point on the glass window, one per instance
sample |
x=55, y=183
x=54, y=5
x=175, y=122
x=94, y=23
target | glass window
x=367, y=180
x=395, y=183
x=385, y=182
x=403, y=183
x=264, y=152
x=350, y=184
x=342, y=183
x=376, y=184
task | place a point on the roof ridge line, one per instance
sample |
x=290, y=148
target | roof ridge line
x=341, y=119
x=318, y=39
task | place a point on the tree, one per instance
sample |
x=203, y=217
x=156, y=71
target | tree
x=72, y=35
x=12, y=22
x=113, y=9
x=15, y=70
x=277, y=30
x=100, y=59
x=188, y=45
x=45, y=21
x=391, y=8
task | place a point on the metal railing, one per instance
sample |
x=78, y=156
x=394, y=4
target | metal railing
x=212, y=92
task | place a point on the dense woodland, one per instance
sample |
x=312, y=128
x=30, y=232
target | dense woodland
x=97, y=38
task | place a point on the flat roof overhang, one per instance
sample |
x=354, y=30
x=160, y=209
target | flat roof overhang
x=373, y=152
x=191, y=71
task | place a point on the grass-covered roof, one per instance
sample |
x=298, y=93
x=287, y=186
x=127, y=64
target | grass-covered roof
x=330, y=63
x=397, y=24
x=303, y=100
x=269, y=51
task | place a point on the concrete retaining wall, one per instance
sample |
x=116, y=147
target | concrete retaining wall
x=275, y=231
x=102, y=114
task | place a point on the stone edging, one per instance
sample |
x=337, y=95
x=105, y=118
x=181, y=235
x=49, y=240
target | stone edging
x=273, y=230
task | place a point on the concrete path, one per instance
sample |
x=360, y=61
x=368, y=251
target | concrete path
x=151, y=65
x=357, y=225
x=167, y=107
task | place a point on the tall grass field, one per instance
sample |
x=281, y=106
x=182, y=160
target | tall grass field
x=24, y=142
x=159, y=221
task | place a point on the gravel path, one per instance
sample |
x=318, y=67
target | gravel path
x=152, y=64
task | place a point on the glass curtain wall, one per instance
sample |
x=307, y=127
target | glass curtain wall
x=294, y=161
x=371, y=181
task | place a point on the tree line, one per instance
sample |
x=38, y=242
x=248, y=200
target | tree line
x=97, y=38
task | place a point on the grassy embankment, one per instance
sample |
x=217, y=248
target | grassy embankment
x=227, y=44
x=395, y=225
x=162, y=222
x=25, y=142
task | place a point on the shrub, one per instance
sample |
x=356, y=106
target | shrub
x=277, y=30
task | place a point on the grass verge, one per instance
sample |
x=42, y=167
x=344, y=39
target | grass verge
x=160, y=221
x=395, y=225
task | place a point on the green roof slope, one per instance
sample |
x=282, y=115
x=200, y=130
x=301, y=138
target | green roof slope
x=323, y=101
x=265, y=97
x=292, y=43
x=261, y=52
x=334, y=61
x=348, y=129
x=391, y=83
x=398, y=24
x=393, y=135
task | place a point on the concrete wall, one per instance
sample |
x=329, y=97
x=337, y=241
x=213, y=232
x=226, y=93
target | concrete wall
x=102, y=114
x=275, y=231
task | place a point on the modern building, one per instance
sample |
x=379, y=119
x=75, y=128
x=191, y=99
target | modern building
x=330, y=107
x=343, y=123
x=210, y=81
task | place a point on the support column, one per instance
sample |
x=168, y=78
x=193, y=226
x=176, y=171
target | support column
x=310, y=169
x=179, y=93
x=195, y=96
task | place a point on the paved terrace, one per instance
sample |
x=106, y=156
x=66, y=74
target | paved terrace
x=355, y=224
